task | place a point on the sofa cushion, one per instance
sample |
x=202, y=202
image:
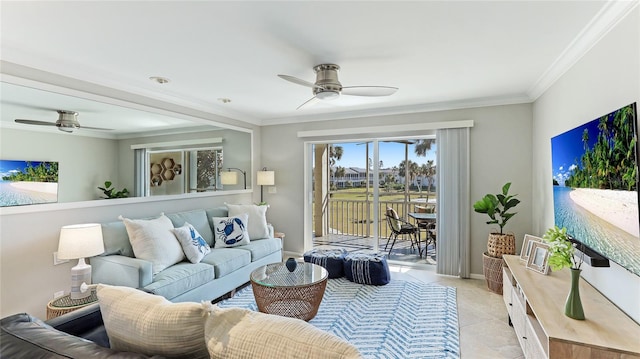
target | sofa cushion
x=192, y=243
x=227, y=260
x=150, y=324
x=217, y=212
x=261, y=248
x=230, y=231
x=244, y=334
x=198, y=219
x=116, y=239
x=153, y=240
x=180, y=278
x=257, y=224
x=24, y=336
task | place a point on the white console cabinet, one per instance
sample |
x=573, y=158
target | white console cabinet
x=535, y=304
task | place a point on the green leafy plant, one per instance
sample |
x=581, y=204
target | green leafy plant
x=111, y=192
x=561, y=249
x=497, y=206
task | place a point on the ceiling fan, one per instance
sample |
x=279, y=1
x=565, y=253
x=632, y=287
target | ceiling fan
x=67, y=122
x=327, y=86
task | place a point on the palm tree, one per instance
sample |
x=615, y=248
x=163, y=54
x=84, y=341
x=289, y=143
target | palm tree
x=335, y=154
x=423, y=146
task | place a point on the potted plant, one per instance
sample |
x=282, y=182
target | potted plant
x=111, y=192
x=497, y=208
x=561, y=255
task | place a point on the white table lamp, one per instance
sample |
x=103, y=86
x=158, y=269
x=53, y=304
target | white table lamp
x=79, y=241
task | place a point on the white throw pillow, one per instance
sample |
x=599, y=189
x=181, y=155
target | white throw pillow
x=244, y=334
x=257, y=218
x=230, y=231
x=193, y=245
x=149, y=324
x=153, y=240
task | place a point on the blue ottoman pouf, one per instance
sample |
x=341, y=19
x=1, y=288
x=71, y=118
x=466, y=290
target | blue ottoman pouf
x=331, y=259
x=367, y=268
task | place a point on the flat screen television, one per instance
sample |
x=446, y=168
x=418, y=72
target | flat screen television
x=595, y=186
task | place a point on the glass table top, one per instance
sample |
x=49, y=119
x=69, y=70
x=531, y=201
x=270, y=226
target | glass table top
x=277, y=275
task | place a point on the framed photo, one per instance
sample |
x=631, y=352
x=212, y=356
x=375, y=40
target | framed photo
x=538, y=257
x=527, y=245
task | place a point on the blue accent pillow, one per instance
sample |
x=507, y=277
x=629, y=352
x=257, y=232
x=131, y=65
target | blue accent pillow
x=366, y=268
x=230, y=231
x=193, y=245
x=331, y=259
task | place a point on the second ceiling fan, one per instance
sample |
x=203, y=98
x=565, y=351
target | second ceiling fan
x=328, y=87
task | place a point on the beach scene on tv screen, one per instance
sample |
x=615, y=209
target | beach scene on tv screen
x=28, y=182
x=595, y=194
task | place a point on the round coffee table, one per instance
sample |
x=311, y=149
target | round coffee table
x=294, y=294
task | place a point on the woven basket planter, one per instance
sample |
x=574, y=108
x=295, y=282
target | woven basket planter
x=499, y=244
x=492, y=270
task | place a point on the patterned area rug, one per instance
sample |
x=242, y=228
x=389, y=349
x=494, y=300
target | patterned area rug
x=400, y=320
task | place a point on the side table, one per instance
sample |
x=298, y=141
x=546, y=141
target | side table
x=65, y=304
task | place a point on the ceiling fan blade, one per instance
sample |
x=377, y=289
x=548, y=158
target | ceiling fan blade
x=34, y=122
x=298, y=81
x=368, y=90
x=310, y=102
x=95, y=128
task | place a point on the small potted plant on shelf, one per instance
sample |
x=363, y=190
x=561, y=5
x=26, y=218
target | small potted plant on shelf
x=561, y=255
x=112, y=193
x=497, y=208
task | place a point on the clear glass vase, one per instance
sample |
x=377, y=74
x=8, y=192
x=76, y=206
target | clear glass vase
x=573, y=306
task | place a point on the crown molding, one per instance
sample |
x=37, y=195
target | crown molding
x=403, y=110
x=605, y=20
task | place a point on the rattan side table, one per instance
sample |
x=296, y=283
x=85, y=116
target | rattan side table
x=65, y=304
x=296, y=294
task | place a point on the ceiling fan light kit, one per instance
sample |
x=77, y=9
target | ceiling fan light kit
x=328, y=87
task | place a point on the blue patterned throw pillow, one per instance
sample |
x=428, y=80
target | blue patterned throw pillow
x=193, y=245
x=230, y=231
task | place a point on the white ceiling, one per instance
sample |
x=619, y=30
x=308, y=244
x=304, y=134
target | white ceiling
x=440, y=54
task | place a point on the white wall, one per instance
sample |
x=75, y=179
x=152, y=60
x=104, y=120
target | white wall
x=605, y=79
x=84, y=162
x=500, y=152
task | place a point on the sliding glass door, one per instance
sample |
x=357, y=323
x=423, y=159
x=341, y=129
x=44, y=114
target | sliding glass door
x=354, y=182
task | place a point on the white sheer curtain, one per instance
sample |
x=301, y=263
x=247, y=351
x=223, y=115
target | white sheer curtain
x=453, y=257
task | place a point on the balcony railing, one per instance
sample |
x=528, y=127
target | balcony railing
x=355, y=217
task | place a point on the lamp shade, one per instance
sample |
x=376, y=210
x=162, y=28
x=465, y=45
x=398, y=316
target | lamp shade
x=229, y=177
x=80, y=241
x=266, y=178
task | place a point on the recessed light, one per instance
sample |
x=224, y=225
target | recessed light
x=158, y=79
x=224, y=99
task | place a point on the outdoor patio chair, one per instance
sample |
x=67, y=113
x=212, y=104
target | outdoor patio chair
x=400, y=227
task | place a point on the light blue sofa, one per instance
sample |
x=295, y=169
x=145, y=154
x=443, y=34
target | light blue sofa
x=219, y=272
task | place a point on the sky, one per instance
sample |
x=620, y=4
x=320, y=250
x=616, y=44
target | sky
x=567, y=148
x=8, y=167
x=391, y=154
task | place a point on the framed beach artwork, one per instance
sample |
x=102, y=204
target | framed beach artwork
x=28, y=182
x=538, y=257
x=527, y=245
